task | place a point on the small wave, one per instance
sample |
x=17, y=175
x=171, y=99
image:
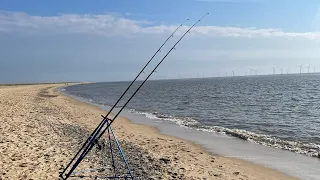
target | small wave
x=309, y=149
x=182, y=121
x=91, y=100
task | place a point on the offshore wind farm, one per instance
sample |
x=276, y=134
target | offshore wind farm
x=253, y=72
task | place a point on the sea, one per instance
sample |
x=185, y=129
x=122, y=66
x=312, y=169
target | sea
x=278, y=112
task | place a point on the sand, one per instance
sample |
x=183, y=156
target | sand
x=41, y=130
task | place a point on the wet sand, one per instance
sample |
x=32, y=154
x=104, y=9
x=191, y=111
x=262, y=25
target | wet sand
x=41, y=130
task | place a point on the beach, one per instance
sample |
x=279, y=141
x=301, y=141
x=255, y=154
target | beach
x=42, y=129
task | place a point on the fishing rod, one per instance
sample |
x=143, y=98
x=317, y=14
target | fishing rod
x=142, y=70
x=94, y=138
x=154, y=70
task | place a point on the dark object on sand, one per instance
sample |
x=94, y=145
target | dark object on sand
x=99, y=131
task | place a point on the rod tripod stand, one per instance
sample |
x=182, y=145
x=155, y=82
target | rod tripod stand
x=113, y=161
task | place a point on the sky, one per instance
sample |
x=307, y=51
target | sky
x=111, y=40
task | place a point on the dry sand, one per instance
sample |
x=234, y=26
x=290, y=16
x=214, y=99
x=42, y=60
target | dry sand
x=41, y=130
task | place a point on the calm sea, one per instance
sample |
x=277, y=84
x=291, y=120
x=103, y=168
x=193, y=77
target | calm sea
x=281, y=111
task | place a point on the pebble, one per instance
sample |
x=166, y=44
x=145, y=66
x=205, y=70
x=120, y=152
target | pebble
x=236, y=173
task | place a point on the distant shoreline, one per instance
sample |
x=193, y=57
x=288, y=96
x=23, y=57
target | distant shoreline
x=18, y=84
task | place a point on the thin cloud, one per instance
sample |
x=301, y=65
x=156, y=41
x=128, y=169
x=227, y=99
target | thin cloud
x=316, y=19
x=113, y=25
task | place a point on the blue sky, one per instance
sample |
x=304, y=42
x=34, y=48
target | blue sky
x=101, y=40
x=291, y=15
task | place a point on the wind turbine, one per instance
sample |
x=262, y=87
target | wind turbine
x=281, y=70
x=256, y=72
x=233, y=73
x=251, y=71
x=245, y=74
x=274, y=70
x=314, y=69
x=288, y=70
x=301, y=68
x=309, y=69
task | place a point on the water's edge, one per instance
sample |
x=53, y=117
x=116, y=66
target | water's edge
x=270, y=131
x=297, y=165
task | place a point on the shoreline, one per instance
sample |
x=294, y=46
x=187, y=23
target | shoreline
x=197, y=115
x=42, y=129
x=204, y=150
